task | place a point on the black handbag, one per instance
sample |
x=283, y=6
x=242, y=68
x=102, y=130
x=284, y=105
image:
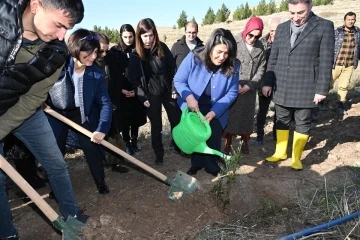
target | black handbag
x=61, y=95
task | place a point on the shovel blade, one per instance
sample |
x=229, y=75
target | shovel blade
x=181, y=185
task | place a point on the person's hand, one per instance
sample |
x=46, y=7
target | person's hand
x=239, y=88
x=266, y=91
x=210, y=116
x=147, y=103
x=244, y=89
x=125, y=92
x=130, y=94
x=97, y=137
x=174, y=95
x=192, y=103
x=319, y=98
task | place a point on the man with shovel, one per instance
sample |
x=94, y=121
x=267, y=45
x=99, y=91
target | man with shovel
x=31, y=57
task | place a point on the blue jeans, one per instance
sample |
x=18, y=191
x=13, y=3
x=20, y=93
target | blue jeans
x=38, y=137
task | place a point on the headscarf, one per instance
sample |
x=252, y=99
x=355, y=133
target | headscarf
x=254, y=23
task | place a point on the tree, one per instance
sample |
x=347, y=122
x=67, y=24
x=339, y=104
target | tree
x=239, y=13
x=209, y=17
x=261, y=8
x=247, y=11
x=284, y=5
x=222, y=14
x=182, y=19
x=271, y=7
x=193, y=19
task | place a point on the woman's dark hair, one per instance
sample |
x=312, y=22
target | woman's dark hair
x=83, y=40
x=219, y=36
x=74, y=9
x=121, y=45
x=143, y=26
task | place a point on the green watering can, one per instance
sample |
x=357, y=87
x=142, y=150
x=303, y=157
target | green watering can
x=191, y=134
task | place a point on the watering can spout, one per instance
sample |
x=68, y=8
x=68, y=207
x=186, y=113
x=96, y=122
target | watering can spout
x=203, y=148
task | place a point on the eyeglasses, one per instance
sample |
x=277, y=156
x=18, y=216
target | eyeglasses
x=256, y=37
x=191, y=32
x=90, y=37
x=102, y=51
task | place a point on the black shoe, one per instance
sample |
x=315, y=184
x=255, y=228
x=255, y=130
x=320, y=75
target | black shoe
x=193, y=170
x=15, y=237
x=341, y=108
x=129, y=150
x=102, y=187
x=81, y=216
x=52, y=195
x=135, y=145
x=259, y=139
x=120, y=169
x=159, y=162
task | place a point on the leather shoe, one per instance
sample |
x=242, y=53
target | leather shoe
x=102, y=187
x=193, y=170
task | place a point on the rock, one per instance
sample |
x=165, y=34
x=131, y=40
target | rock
x=106, y=220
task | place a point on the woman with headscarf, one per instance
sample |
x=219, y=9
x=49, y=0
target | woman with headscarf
x=251, y=53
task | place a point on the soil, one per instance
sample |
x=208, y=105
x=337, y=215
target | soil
x=137, y=206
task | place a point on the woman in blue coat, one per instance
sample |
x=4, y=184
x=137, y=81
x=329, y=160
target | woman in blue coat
x=208, y=81
x=92, y=109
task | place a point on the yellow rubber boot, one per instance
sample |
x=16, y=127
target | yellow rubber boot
x=282, y=138
x=299, y=143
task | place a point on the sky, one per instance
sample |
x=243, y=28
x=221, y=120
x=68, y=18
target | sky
x=114, y=13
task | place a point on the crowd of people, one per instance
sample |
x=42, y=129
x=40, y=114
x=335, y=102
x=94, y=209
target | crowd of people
x=113, y=91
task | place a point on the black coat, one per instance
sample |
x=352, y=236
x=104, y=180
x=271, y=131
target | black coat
x=180, y=49
x=155, y=69
x=131, y=110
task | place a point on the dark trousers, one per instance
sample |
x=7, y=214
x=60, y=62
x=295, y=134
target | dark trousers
x=154, y=113
x=302, y=117
x=94, y=153
x=206, y=161
x=264, y=103
x=128, y=131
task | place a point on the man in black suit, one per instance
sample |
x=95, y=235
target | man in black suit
x=299, y=75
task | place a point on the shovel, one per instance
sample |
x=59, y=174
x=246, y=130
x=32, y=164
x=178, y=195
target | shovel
x=182, y=184
x=71, y=229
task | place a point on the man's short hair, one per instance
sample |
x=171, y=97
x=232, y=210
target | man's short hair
x=309, y=2
x=103, y=38
x=74, y=9
x=349, y=14
x=275, y=18
x=192, y=23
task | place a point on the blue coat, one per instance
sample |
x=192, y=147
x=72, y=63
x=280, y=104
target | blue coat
x=192, y=77
x=97, y=104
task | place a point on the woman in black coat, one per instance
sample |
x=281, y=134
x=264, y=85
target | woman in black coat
x=131, y=111
x=151, y=71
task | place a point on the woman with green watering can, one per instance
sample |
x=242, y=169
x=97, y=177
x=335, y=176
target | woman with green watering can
x=207, y=81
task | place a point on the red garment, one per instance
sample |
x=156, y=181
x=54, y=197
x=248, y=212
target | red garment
x=254, y=23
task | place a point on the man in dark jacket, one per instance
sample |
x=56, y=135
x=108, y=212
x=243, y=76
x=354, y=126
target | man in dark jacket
x=346, y=56
x=299, y=74
x=187, y=43
x=31, y=57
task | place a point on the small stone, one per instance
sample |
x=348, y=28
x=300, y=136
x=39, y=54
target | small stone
x=106, y=220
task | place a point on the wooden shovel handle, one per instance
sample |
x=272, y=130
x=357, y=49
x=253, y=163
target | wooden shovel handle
x=28, y=190
x=108, y=145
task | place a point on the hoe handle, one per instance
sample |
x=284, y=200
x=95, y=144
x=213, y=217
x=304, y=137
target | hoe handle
x=108, y=145
x=28, y=190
